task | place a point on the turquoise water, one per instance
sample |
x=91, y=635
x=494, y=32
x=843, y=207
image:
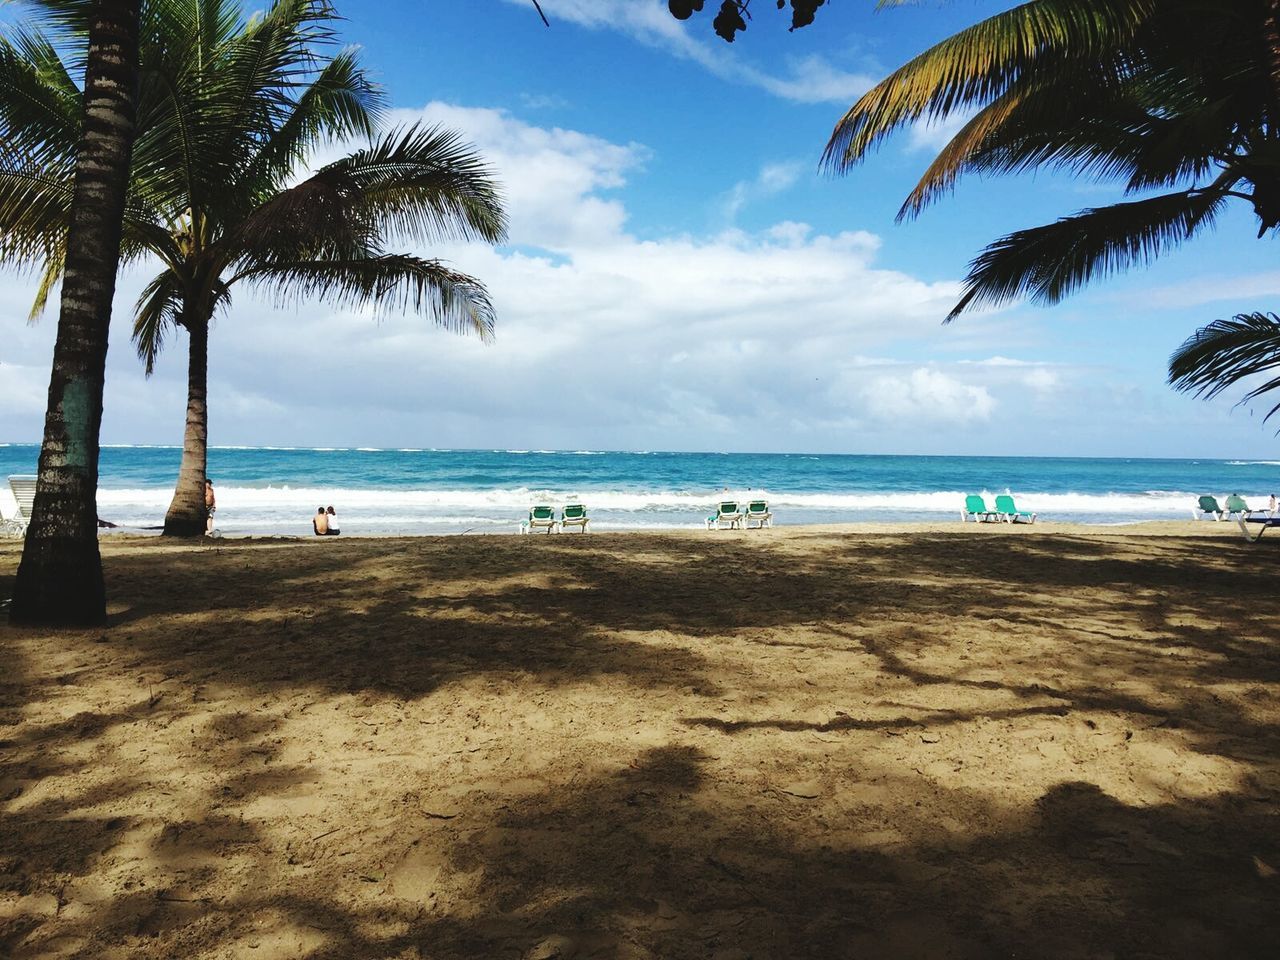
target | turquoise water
x=269, y=490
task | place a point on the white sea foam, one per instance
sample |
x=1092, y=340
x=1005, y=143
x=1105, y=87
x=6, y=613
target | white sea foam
x=393, y=501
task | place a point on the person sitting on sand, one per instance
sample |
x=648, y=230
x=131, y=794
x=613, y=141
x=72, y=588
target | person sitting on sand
x=333, y=521
x=320, y=522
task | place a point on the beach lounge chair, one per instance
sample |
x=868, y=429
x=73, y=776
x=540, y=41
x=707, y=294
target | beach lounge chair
x=758, y=510
x=1236, y=504
x=24, y=493
x=728, y=515
x=574, y=514
x=1207, y=506
x=540, y=516
x=1266, y=523
x=975, y=506
x=1009, y=513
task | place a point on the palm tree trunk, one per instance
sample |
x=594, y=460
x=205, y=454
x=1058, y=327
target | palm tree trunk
x=59, y=580
x=186, y=516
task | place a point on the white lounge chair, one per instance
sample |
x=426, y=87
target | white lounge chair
x=541, y=516
x=758, y=510
x=24, y=493
x=574, y=515
x=728, y=515
x=1207, y=506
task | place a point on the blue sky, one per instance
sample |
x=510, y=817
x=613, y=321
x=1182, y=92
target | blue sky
x=681, y=275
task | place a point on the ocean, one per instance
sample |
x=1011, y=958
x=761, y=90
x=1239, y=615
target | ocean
x=270, y=490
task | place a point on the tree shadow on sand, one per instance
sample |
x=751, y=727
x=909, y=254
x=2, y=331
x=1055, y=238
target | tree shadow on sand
x=668, y=857
x=710, y=841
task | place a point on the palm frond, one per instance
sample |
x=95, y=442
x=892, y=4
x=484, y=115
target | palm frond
x=340, y=103
x=1104, y=130
x=1046, y=263
x=1225, y=352
x=40, y=106
x=978, y=64
x=35, y=207
x=156, y=313
x=72, y=16
x=420, y=183
x=455, y=301
x=425, y=183
x=54, y=265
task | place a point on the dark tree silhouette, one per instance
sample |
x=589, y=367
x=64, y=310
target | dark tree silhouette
x=60, y=577
x=732, y=16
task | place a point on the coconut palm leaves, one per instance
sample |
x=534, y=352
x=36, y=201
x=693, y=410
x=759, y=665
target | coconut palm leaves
x=229, y=111
x=1161, y=95
x=1226, y=352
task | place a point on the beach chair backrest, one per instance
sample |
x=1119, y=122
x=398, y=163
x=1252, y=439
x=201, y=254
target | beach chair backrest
x=758, y=506
x=24, y=492
x=1209, y=505
x=542, y=513
x=728, y=508
x=1004, y=504
x=975, y=504
x=573, y=511
x=1236, y=503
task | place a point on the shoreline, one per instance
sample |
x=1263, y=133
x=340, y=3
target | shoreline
x=1138, y=528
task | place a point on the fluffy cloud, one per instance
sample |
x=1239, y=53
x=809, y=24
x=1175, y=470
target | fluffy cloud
x=774, y=339
x=925, y=394
x=933, y=134
x=773, y=178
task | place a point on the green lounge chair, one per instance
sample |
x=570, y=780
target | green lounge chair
x=574, y=515
x=758, y=510
x=975, y=506
x=24, y=494
x=728, y=515
x=540, y=516
x=1009, y=512
x=1207, y=506
x=1236, y=504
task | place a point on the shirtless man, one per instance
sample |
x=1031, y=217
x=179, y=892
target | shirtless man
x=320, y=522
x=210, y=503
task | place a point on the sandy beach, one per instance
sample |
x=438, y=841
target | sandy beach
x=877, y=741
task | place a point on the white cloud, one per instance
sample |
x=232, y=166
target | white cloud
x=1210, y=288
x=773, y=339
x=925, y=394
x=773, y=178
x=933, y=134
x=22, y=390
x=543, y=101
x=809, y=79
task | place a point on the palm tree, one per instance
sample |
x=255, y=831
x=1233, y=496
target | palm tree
x=59, y=580
x=1226, y=352
x=1181, y=105
x=228, y=111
